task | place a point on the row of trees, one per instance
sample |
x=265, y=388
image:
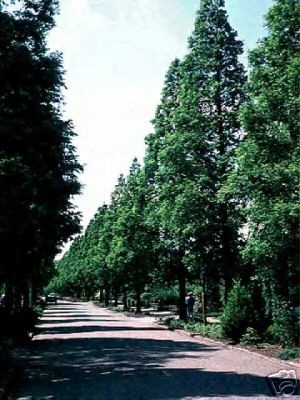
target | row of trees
x=216, y=198
x=38, y=164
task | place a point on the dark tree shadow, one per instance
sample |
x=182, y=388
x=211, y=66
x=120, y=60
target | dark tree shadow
x=75, y=368
x=58, y=320
x=126, y=369
x=63, y=330
x=122, y=369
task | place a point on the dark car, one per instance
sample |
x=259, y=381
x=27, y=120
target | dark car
x=51, y=298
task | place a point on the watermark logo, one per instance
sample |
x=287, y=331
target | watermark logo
x=284, y=383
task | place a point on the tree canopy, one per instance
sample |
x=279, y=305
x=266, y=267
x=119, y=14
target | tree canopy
x=215, y=203
x=38, y=162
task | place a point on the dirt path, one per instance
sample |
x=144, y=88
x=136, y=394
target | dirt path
x=87, y=353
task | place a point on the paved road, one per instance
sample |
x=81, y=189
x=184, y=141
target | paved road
x=88, y=353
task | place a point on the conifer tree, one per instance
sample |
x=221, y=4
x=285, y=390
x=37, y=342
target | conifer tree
x=197, y=154
x=266, y=179
x=38, y=165
x=165, y=250
x=132, y=243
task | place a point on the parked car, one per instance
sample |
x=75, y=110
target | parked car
x=51, y=298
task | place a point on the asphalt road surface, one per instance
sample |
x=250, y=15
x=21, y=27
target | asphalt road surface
x=87, y=353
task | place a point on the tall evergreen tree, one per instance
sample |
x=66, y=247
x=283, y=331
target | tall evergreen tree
x=197, y=154
x=132, y=242
x=38, y=165
x=166, y=250
x=266, y=179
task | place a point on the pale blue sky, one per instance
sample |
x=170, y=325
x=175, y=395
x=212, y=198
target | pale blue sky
x=116, y=53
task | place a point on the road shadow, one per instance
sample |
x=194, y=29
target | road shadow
x=127, y=369
x=64, y=330
x=73, y=314
x=107, y=368
x=57, y=320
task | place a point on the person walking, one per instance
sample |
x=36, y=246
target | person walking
x=190, y=301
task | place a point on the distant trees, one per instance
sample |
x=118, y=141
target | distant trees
x=114, y=255
x=215, y=201
x=38, y=164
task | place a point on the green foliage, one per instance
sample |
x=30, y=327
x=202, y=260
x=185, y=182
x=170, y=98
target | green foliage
x=165, y=295
x=274, y=333
x=217, y=198
x=196, y=128
x=213, y=331
x=38, y=164
x=265, y=181
x=251, y=336
x=289, y=354
x=286, y=327
x=235, y=318
x=244, y=309
x=18, y=325
x=175, y=323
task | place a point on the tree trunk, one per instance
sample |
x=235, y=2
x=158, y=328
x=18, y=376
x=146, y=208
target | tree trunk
x=182, y=294
x=228, y=260
x=226, y=234
x=101, y=297
x=107, y=296
x=125, y=300
x=116, y=293
x=17, y=298
x=9, y=297
x=31, y=294
x=227, y=285
x=204, y=299
x=138, y=302
x=26, y=296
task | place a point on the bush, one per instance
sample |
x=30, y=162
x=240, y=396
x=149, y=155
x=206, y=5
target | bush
x=117, y=309
x=274, y=333
x=286, y=326
x=251, y=336
x=176, y=324
x=165, y=296
x=245, y=308
x=18, y=325
x=235, y=318
x=289, y=354
x=213, y=331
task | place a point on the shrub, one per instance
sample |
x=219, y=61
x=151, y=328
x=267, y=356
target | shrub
x=118, y=308
x=289, y=354
x=274, y=333
x=176, y=324
x=245, y=308
x=18, y=325
x=251, y=336
x=235, y=318
x=165, y=296
x=286, y=325
x=213, y=331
